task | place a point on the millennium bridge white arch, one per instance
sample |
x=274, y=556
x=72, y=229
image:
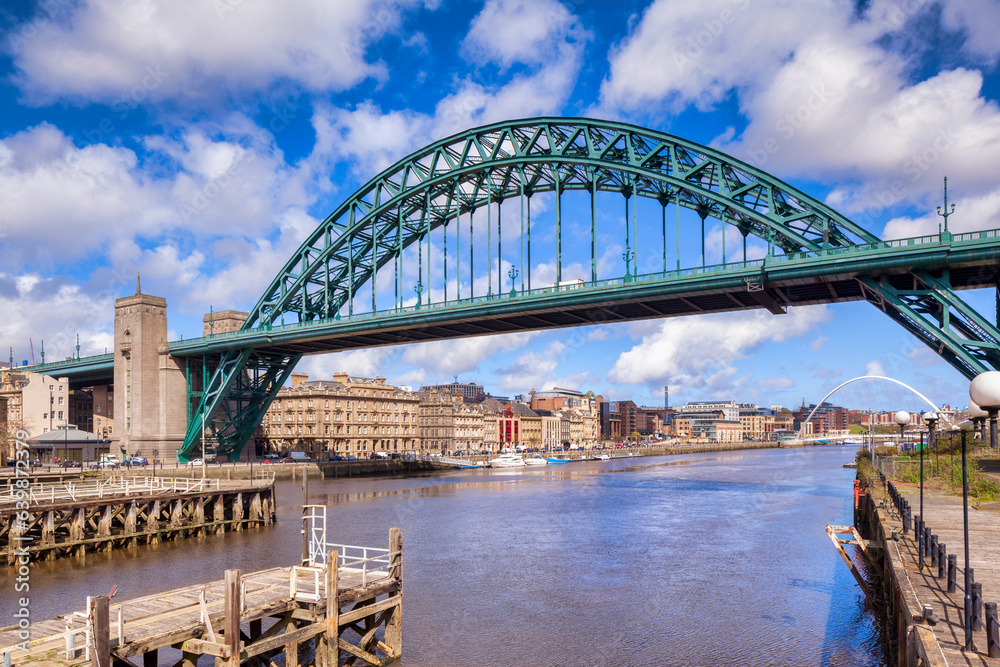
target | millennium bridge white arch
x=840, y=386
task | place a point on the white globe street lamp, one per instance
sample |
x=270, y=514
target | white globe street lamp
x=902, y=418
x=985, y=392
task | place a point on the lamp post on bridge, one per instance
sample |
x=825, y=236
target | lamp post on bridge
x=418, y=288
x=628, y=256
x=513, y=273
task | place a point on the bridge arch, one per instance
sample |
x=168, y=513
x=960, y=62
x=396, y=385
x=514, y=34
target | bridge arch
x=840, y=386
x=233, y=377
x=473, y=169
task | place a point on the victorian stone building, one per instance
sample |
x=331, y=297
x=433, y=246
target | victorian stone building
x=346, y=416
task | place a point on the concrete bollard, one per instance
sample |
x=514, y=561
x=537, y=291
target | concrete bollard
x=992, y=630
x=934, y=551
x=952, y=573
x=977, y=606
x=942, y=557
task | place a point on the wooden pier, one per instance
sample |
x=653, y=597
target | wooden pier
x=347, y=603
x=49, y=521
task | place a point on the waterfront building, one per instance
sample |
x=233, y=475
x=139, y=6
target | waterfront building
x=711, y=426
x=438, y=420
x=758, y=423
x=36, y=403
x=558, y=399
x=81, y=409
x=827, y=420
x=341, y=417
x=469, y=391
x=611, y=421
x=469, y=429
x=551, y=430
x=730, y=409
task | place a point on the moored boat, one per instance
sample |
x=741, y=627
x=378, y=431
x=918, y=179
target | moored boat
x=507, y=461
x=554, y=460
x=535, y=460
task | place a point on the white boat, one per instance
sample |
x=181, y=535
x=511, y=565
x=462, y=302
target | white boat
x=507, y=461
x=601, y=457
x=535, y=460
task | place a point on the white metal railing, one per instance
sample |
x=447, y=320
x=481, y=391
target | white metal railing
x=300, y=590
x=314, y=523
x=42, y=492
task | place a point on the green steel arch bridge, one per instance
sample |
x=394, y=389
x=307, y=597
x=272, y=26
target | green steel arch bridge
x=426, y=213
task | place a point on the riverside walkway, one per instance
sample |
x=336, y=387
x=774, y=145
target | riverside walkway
x=929, y=585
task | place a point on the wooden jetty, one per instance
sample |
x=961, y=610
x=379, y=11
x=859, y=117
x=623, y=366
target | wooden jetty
x=49, y=521
x=342, y=601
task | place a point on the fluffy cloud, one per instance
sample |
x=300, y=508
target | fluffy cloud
x=371, y=139
x=826, y=95
x=531, y=369
x=519, y=31
x=875, y=367
x=223, y=181
x=701, y=351
x=368, y=362
x=110, y=51
x=442, y=359
x=695, y=53
x=55, y=310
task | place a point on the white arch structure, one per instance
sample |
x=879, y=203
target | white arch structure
x=926, y=400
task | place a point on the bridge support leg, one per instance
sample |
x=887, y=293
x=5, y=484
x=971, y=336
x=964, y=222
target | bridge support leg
x=931, y=310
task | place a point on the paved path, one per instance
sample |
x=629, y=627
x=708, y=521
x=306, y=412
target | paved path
x=944, y=519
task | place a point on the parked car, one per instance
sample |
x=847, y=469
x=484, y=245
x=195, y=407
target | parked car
x=195, y=462
x=270, y=456
x=336, y=458
x=287, y=459
x=352, y=457
x=72, y=464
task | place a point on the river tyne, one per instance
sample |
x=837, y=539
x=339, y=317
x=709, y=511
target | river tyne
x=705, y=559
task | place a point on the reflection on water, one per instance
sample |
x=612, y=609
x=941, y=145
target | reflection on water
x=700, y=559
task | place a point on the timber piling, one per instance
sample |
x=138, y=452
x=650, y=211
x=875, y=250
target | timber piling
x=49, y=521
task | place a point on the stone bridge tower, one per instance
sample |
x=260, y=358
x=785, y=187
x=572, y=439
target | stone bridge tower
x=150, y=392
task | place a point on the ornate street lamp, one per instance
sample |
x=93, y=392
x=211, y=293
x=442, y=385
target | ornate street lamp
x=985, y=392
x=930, y=418
x=628, y=256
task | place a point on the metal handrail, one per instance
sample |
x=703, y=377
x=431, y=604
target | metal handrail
x=41, y=492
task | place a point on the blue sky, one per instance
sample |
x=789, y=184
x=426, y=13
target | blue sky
x=199, y=143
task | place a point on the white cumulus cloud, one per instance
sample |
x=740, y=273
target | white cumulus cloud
x=702, y=351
